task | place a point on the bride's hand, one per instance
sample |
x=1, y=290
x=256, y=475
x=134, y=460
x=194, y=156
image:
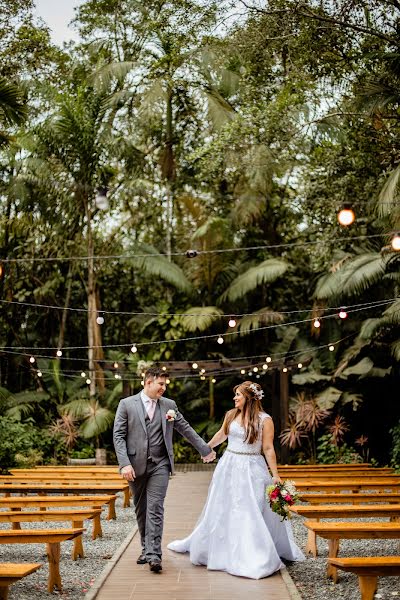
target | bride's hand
x=276, y=480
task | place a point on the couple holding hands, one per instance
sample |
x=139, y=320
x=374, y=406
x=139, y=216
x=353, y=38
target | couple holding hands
x=237, y=531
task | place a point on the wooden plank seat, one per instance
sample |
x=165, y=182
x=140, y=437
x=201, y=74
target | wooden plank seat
x=68, y=488
x=340, y=485
x=55, y=476
x=44, y=502
x=76, y=517
x=368, y=569
x=328, y=466
x=350, y=498
x=12, y=572
x=52, y=538
x=336, y=531
x=391, y=511
x=334, y=476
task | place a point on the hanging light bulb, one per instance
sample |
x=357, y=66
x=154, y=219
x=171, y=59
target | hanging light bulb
x=116, y=365
x=242, y=371
x=395, y=242
x=142, y=373
x=133, y=349
x=100, y=320
x=257, y=376
x=220, y=340
x=255, y=369
x=39, y=373
x=249, y=373
x=232, y=322
x=342, y=313
x=191, y=253
x=59, y=353
x=116, y=376
x=299, y=365
x=346, y=215
x=202, y=378
x=331, y=348
x=32, y=359
x=284, y=369
x=164, y=368
x=88, y=381
x=142, y=382
x=268, y=359
x=101, y=200
x=265, y=367
x=195, y=366
x=317, y=323
x=83, y=374
x=202, y=371
x=1, y=269
x=213, y=380
x=167, y=381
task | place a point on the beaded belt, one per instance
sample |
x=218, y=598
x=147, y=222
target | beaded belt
x=245, y=453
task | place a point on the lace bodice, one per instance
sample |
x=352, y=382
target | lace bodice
x=236, y=435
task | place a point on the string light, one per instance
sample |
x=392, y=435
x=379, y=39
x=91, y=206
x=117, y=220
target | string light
x=39, y=373
x=195, y=366
x=32, y=359
x=115, y=365
x=331, y=348
x=134, y=349
x=59, y=353
x=395, y=243
x=255, y=369
x=213, y=380
x=265, y=367
x=268, y=359
x=242, y=371
x=317, y=323
x=1, y=269
x=346, y=215
x=257, y=376
x=284, y=370
x=202, y=377
x=202, y=371
x=191, y=253
x=232, y=322
x=101, y=200
x=220, y=340
x=167, y=381
x=83, y=374
x=142, y=382
x=299, y=365
x=100, y=320
x=88, y=381
x=342, y=314
x=164, y=368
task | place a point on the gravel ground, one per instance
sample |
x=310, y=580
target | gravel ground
x=77, y=576
x=310, y=575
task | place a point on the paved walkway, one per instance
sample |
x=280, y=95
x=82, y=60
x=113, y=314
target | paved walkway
x=180, y=580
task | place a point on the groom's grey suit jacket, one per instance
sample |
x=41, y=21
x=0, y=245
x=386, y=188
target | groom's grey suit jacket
x=130, y=433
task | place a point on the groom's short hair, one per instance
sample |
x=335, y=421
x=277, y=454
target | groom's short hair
x=154, y=372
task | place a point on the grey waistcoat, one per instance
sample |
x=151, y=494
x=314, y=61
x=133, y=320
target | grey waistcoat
x=156, y=445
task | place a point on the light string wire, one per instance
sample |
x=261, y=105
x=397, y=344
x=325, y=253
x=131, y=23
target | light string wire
x=102, y=312
x=198, y=252
x=186, y=339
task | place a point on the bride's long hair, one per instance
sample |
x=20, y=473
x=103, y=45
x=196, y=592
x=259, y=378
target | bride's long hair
x=252, y=408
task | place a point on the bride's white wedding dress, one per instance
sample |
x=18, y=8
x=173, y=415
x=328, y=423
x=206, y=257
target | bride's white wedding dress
x=237, y=531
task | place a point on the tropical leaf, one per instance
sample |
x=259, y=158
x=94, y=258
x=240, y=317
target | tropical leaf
x=353, y=278
x=328, y=398
x=159, y=266
x=97, y=422
x=24, y=404
x=266, y=272
x=350, y=398
x=264, y=316
x=389, y=196
x=309, y=377
x=12, y=107
x=395, y=350
x=200, y=318
x=361, y=368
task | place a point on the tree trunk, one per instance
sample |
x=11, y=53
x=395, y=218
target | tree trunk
x=61, y=334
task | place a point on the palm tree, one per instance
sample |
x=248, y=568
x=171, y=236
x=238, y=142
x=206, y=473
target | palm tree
x=13, y=109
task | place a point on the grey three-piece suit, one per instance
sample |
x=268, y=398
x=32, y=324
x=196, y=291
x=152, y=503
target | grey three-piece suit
x=147, y=446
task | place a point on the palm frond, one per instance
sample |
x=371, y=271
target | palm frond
x=328, y=398
x=266, y=272
x=99, y=421
x=389, y=195
x=103, y=76
x=200, y=318
x=160, y=266
x=260, y=318
x=13, y=110
x=395, y=350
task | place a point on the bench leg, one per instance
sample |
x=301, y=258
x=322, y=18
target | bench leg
x=127, y=498
x=77, y=551
x=3, y=592
x=97, y=531
x=53, y=555
x=331, y=570
x=311, y=546
x=368, y=585
x=111, y=510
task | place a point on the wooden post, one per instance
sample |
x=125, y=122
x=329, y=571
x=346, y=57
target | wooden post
x=211, y=397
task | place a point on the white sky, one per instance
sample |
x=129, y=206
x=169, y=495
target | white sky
x=58, y=14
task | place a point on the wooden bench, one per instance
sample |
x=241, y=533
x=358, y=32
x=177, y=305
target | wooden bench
x=12, y=572
x=334, y=532
x=76, y=517
x=52, y=538
x=349, y=498
x=368, y=569
x=391, y=511
x=334, y=476
x=355, y=485
x=67, y=488
x=44, y=502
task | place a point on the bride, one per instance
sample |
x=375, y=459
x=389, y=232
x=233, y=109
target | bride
x=237, y=531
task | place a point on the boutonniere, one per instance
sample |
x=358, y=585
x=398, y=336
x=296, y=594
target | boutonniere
x=171, y=414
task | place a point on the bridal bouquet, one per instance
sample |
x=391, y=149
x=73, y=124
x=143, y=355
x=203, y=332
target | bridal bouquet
x=281, y=496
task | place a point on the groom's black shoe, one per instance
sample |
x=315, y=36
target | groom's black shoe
x=141, y=560
x=155, y=566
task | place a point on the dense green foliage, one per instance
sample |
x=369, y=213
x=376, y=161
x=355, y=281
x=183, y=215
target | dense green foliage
x=237, y=132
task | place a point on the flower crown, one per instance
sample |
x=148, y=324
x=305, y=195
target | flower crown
x=259, y=394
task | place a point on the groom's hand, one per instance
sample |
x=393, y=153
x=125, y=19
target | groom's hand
x=210, y=457
x=128, y=473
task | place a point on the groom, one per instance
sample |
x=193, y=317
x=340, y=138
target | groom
x=143, y=429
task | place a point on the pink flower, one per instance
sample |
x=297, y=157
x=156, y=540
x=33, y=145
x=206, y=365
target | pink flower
x=289, y=499
x=274, y=494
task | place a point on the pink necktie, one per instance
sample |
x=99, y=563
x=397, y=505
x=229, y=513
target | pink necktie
x=151, y=409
